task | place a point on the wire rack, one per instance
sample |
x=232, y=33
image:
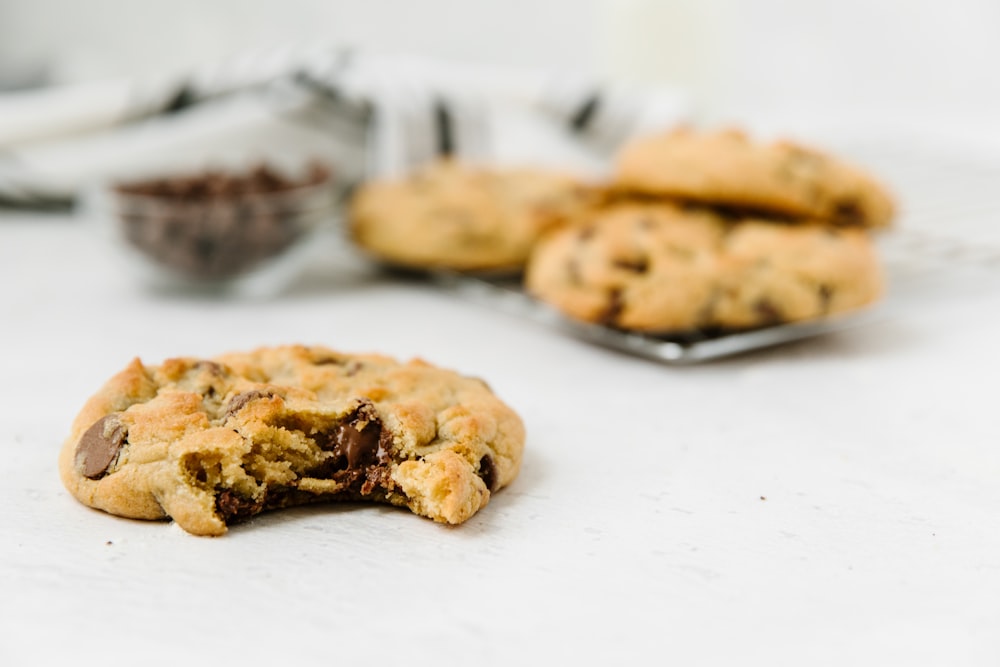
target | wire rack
x=948, y=225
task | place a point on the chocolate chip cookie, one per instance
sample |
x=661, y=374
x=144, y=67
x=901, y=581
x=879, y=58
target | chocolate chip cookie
x=727, y=168
x=211, y=442
x=456, y=216
x=662, y=268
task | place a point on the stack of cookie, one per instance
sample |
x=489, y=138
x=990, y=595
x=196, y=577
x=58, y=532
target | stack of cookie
x=694, y=232
x=712, y=231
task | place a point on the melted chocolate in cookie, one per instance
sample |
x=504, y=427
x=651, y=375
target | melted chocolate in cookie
x=358, y=438
x=232, y=507
x=488, y=472
x=359, y=455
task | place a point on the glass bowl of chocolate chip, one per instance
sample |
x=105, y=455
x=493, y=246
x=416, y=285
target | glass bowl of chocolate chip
x=232, y=229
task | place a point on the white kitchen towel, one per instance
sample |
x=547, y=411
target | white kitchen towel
x=364, y=114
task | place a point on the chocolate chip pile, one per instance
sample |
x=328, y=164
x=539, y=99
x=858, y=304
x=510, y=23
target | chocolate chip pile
x=216, y=225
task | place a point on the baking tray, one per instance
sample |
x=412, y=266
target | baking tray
x=949, y=222
x=506, y=294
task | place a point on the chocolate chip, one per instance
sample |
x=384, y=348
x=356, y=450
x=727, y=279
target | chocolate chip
x=616, y=304
x=212, y=367
x=350, y=366
x=99, y=446
x=234, y=507
x=825, y=296
x=328, y=360
x=767, y=311
x=640, y=265
x=239, y=401
x=205, y=249
x=848, y=211
x=357, y=441
x=488, y=472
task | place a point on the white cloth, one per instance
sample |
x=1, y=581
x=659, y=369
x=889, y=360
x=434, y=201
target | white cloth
x=364, y=114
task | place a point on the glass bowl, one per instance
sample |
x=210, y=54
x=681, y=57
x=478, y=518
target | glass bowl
x=221, y=231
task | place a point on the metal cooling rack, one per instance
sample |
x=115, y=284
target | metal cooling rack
x=949, y=223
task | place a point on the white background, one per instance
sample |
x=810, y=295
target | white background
x=901, y=60
x=831, y=502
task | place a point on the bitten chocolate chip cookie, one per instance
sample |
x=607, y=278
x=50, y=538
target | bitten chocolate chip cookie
x=726, y=168
x=210, y=442
x=461, y=217
x=660, y=268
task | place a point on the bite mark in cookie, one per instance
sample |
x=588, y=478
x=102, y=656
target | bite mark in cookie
x=289, y=428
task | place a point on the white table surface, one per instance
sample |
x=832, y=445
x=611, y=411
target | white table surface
x=833, y=501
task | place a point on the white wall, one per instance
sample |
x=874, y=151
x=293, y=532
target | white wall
x=892, y=59
x=852, y=58
x=92, y=37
